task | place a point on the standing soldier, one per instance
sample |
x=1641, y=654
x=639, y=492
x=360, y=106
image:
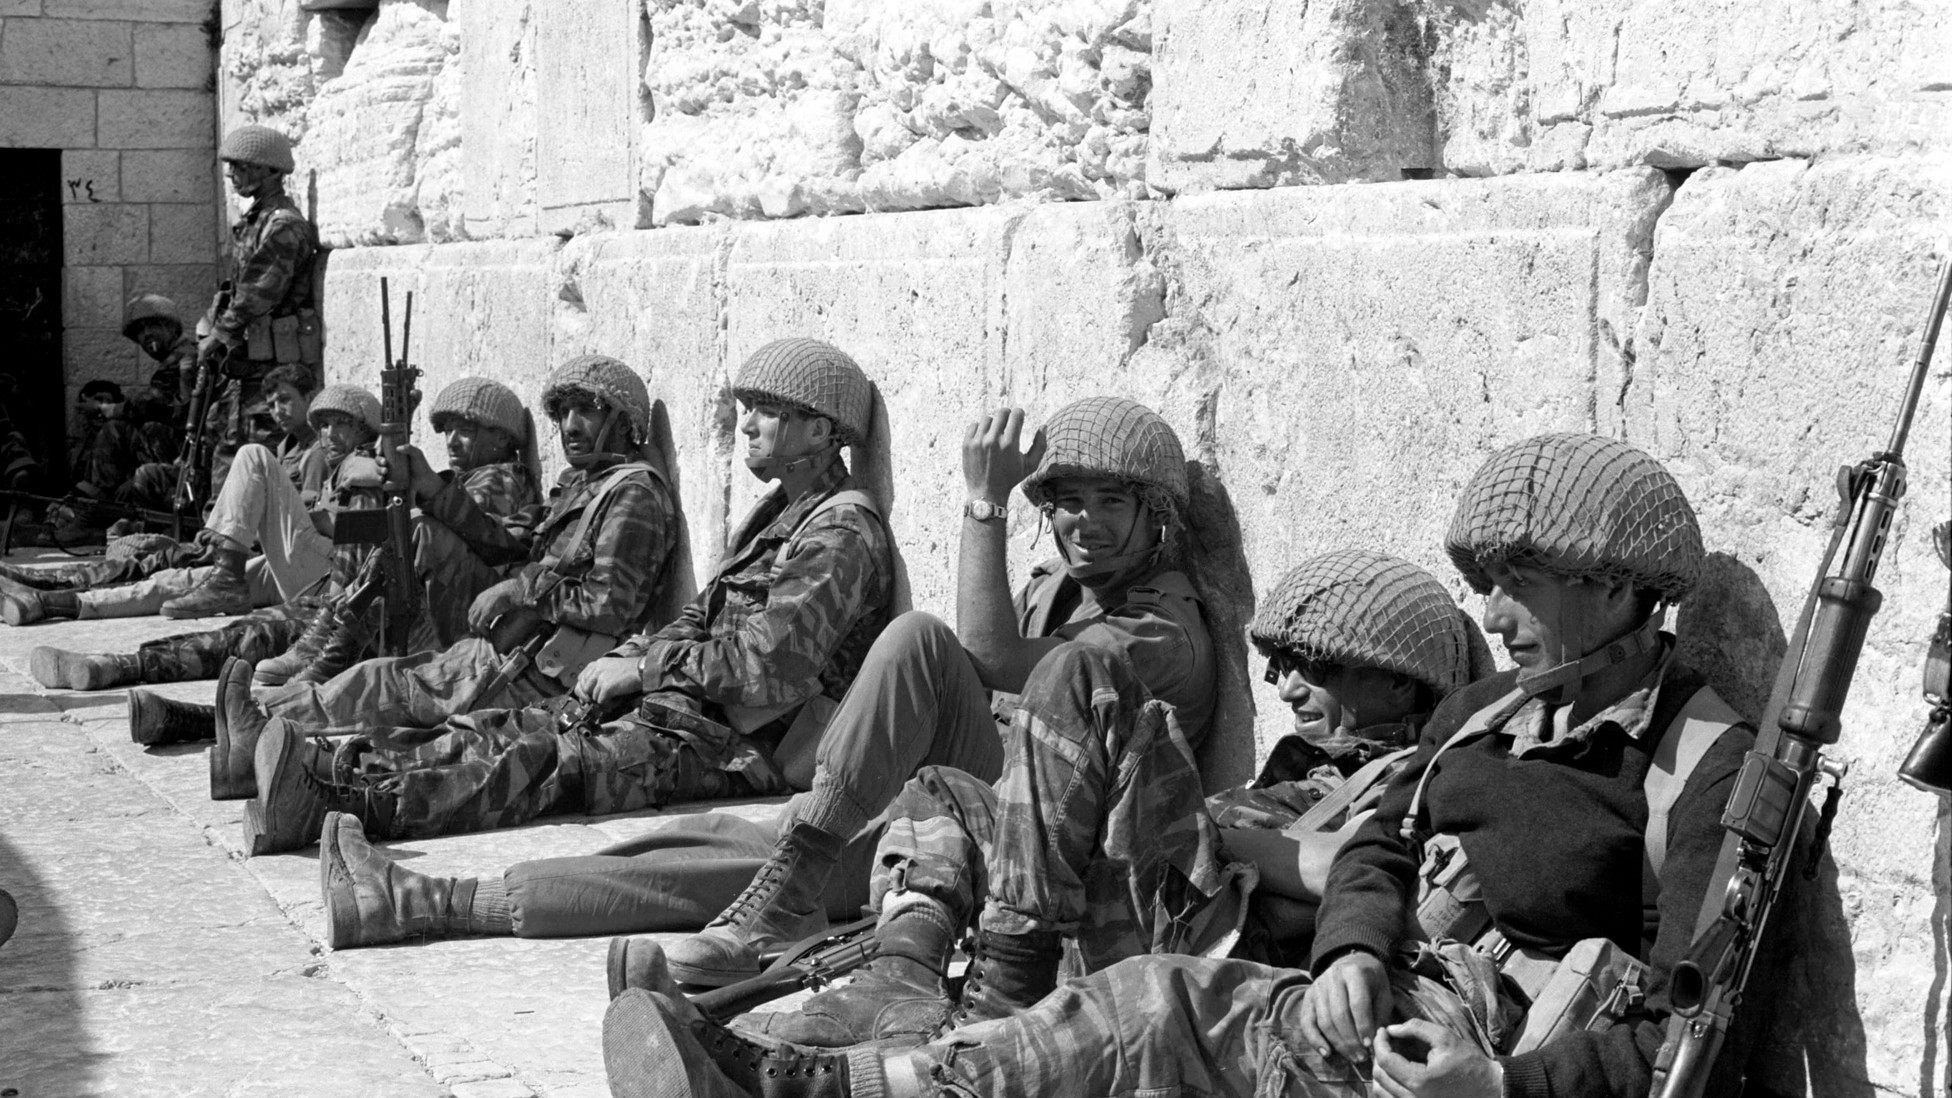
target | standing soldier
x=270, y=317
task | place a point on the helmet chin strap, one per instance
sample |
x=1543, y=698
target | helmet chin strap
x=1560, y=685
x=1102, y=570
x=772, y=468
x=600, y=449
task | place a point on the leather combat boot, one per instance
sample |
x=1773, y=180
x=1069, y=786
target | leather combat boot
x=279, y=669
x=648, y=1036
x=233, y=776
x=349, y=642
x=372, y=900
x=901, y=993
x=155, y=720
x=224, y=590
x=781, y=906
x=1007, y=973
x=295, y=791
x=57, y=669
x=23, y=605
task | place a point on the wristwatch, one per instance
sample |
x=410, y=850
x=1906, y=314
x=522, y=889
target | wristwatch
x=983, y=510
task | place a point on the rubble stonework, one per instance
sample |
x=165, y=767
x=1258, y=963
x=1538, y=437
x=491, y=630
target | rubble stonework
x=1636, y=220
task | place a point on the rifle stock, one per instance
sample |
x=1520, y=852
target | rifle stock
x=1771, y=799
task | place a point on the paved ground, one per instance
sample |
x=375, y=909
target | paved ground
x=153, y=960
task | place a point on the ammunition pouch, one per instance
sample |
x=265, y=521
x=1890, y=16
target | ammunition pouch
x=568, y=650
x=1592, y=986
x=311, y=338
x=258, y=346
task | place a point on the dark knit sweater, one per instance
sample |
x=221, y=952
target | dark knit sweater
x=1557, y=838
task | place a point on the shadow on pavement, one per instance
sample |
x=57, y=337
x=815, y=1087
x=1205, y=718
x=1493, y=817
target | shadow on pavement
x=38, y=995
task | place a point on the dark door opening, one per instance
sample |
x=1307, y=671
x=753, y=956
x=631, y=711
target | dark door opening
x=31, y=390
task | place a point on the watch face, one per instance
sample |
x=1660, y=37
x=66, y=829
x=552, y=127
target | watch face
x=983, y=510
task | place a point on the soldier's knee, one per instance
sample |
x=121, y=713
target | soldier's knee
x=914, y=636
x=253, y=457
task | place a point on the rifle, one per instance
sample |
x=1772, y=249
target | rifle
x=395, y=580
x=15, y=499
x=1767, y=808
x=811, y=964
x=193, y=464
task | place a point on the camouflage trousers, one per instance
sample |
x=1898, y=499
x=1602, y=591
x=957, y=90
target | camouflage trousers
x=1096, y=829
x=1174, y=1026
x=146, y=596
x=259, y=635
x=504, y=767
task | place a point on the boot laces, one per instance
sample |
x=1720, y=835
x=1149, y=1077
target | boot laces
x=764, y=884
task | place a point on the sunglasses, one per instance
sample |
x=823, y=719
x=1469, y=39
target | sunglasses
x=1281, y=663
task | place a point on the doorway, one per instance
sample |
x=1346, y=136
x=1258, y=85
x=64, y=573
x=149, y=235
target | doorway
x=31, y=390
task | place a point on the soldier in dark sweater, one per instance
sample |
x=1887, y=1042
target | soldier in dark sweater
x=1560, y=785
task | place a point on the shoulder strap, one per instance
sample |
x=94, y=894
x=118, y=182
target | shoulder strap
x=853, y=496
x=1351, y=790
x=1689, y=735
x=610, y=484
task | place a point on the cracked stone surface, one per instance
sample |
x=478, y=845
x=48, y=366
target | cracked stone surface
x=152, y=959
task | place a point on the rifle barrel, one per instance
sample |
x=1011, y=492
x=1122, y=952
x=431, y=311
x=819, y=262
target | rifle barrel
x=406, y=332
x=1933, y=320
x=386, y=320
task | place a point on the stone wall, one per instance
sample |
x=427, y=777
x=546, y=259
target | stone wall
x=1348, y=248
x=122, y=88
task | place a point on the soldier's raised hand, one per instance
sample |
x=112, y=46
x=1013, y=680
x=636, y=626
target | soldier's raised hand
x=992, y=459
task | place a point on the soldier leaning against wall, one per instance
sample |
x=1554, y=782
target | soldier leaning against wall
x=1580, y=793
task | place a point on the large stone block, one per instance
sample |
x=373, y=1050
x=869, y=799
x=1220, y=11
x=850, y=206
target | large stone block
x=499, y=122
x=91, y=297
x=170, y=175
x=90, y=353
x=47, y=118
x=1262, y=93
x=1565, y=85
x=182, y=233
x=653, y=299
x=190, y=286
x=588, y=55
x=1346, y=356
x=155, y=119
x=105, y=233
x=369, y=135
x=67, y=53
x=91, y=175
x=1784, y=310
x=172, y=55
x=150, y=11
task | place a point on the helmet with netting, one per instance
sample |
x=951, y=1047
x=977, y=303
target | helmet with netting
x=1107, y=436
x=348, y=399
x=810, y=376
x=1577, y=506
x=257, y=145
x=145, y=307
x=609, y=381
x=488, y=403
x=1358, y=608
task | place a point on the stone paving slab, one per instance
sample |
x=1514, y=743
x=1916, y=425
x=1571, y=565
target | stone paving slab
x=153, y=959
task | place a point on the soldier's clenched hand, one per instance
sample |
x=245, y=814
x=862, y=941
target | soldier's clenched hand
x=1419, y=1059
x=609, y=677
x=492, y=604
x=420, y=475
x=992, y=462
x=1345, y=1004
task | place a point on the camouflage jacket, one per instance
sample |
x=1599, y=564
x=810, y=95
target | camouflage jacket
x=1297, y=775
x=176, y=375
x=303, y=457
x=790, y=612
x=504, y=490
x=272, y=249
x=607, y=582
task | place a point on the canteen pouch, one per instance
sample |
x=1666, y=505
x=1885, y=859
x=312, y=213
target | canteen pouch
x=1449, y=901
x=564, y=655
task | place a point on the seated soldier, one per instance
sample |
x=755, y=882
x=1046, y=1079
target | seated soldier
x=140, y=583
x=1113, y=481
x=742, y=680
x=308, y=629
x=595, y=566
x=1097, y=831
x=1559, y=784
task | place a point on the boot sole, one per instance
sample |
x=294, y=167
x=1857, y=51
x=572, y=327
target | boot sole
x=643, y=1056
x=228, y=780
x=341, y=911
x=694, y=976
x=54, y=669
x=259, y=838
x=638, y=963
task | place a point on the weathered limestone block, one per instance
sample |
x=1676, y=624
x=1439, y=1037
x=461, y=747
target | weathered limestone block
x=264, y=70
x=653, y=300
x=67, y=53
x=153, y=119
x=92, y=175
x=498, y=116
x=1262, y=93
x=479, y=309
x=1558, y=85
x=588, y=55
x=373, y=130
x=1352, y=353
x=91, y=297
x=181, y=232
x=169, y=175
x=791, y=107
x=104, y=233
x=172, y=55
x=1783, y=315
